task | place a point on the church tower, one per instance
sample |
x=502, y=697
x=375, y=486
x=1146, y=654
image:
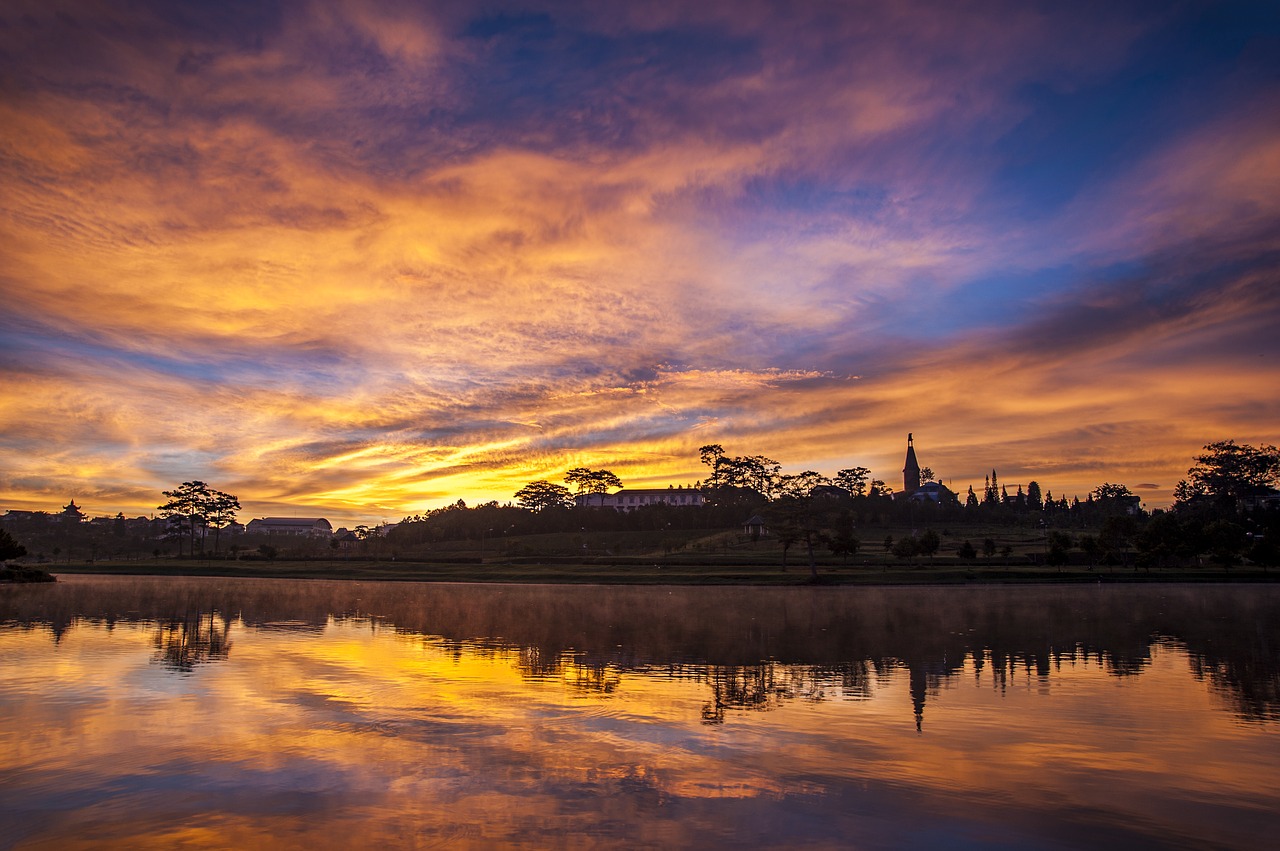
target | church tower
x=911, y=472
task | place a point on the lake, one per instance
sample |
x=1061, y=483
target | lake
x=160, y=712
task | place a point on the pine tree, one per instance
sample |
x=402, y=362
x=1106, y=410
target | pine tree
x=989, y=492
x=1034, y=501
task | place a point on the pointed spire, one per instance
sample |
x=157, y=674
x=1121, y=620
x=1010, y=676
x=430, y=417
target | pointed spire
x=911, y=471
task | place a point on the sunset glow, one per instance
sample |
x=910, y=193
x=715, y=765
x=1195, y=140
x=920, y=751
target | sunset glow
x=365, y=259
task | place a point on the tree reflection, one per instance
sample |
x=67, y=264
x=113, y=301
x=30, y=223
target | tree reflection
x=756, y=648
x=740, y=687
x=197, y=637
x=1254, y=692
x=596, y=679
x=767, y=686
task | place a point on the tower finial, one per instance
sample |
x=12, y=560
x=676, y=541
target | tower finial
x=908, y=438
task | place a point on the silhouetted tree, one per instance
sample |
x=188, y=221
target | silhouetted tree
x=844, y=544
x=222, y=508
x=788, y=536
x=1091, y=548
x=592, y=481
x=751, y=472
x=928, y=543
x=187, y=510
x=711, y=455
x=854, y=480
x=1226, y=541
x=1106, y=490
x=801, y=485
x=991, y=491
x=1059, y=544
x=1034, y=500
x=542, y=495
x=1228, y=472
x=1117, y=535
x=796, y=511
x=906, y=548
x=9, y=548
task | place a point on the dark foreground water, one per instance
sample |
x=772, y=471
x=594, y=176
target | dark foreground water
x=163, y=713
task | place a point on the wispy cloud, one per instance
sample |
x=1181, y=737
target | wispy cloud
x=375, y=258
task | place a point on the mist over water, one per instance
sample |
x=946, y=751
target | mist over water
x=149, y=712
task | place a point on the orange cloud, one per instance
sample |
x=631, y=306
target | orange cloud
x=351, y=263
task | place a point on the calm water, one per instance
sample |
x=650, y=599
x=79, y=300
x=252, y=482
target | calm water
x=152, y=712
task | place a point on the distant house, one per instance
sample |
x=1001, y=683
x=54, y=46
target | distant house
x=1131, y=504
x=1267, y=498
x=935, y=492
x=313, y=527
x=20, y=515
x=829, y=492
x=633, y=498
x=755, y=527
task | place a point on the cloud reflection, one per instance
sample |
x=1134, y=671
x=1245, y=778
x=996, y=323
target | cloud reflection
x=466, y=714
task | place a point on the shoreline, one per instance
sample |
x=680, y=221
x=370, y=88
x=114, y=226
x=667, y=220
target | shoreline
x=671, y=574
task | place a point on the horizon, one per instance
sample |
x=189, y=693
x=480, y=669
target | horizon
x=364, y=260
x=351, y=520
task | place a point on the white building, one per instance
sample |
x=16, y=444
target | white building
x=629, y=499
x=315, y=527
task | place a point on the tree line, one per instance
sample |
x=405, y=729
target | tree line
x=1225, y=507
x=1221, y=508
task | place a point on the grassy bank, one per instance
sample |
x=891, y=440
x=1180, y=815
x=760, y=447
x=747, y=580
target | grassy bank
x=637, y=572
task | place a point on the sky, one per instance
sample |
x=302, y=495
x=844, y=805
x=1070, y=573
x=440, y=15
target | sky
x=360, y=260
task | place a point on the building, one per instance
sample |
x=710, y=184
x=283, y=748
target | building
x=911, y=472
x=914, y=489
x=828, y=492
x=313, y=527
x=633, y=498
x=935, y=492
x=1264, y=498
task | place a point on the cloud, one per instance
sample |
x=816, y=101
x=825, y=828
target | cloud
x=350, y=258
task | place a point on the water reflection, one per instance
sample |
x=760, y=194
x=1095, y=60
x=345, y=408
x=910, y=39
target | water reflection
x=196, y=637
x=753, y=647
x=483, y=715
